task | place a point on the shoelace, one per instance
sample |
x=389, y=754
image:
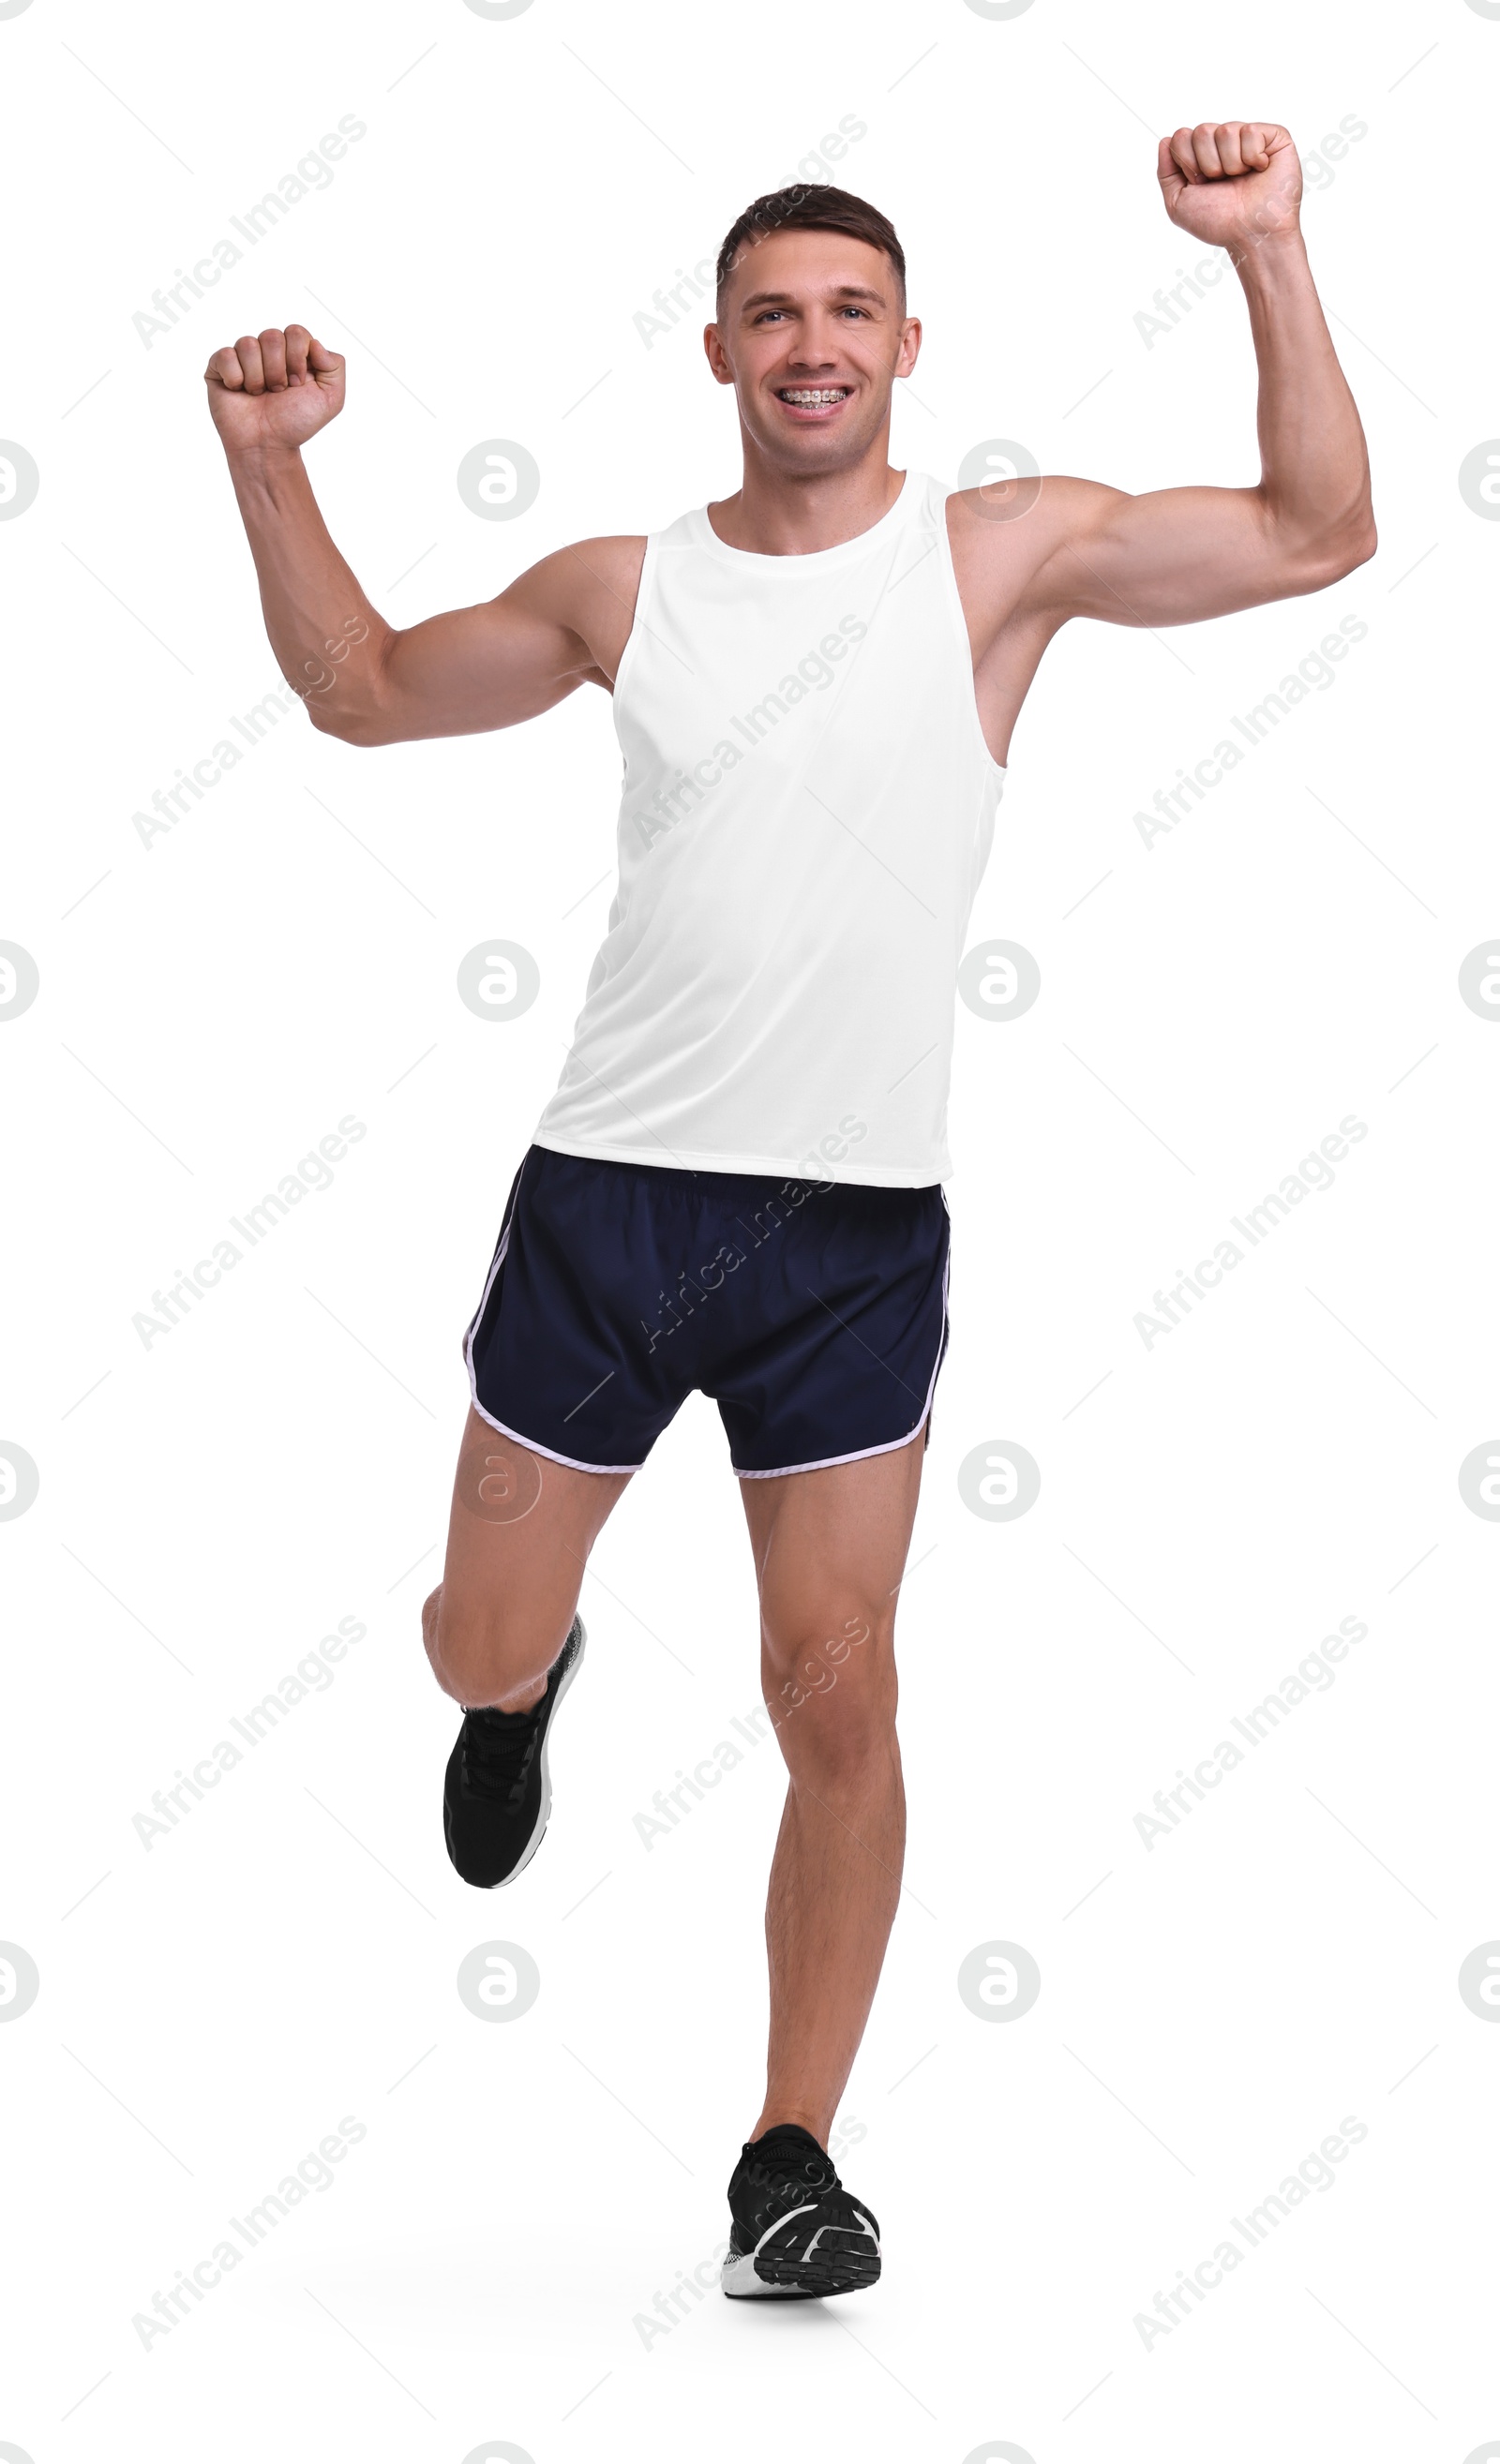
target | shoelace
x=780, y=2175
x=499, y=1749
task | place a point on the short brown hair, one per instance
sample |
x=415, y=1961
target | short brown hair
x=811, y=207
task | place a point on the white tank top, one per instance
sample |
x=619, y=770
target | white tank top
x=808, y=808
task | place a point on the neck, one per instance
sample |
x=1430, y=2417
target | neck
x=781, y=513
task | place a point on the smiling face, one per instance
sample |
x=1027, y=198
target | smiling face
x=812, y=331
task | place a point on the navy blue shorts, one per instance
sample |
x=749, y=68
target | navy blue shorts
x=814, y=1313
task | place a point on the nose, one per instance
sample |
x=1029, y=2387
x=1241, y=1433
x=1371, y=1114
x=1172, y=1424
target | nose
x=817, y=345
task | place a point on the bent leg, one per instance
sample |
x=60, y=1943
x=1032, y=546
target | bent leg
x=520, y=1531
x=830, y=1549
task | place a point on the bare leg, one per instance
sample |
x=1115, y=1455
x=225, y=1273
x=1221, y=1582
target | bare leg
x=520, y=1531
x=829, y=1547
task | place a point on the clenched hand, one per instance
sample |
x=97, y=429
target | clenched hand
x=277, y=389
x=1231, y=183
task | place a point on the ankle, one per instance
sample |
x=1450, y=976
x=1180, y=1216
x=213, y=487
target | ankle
x=525, y=1697
x=522, y=1698
x=782, y=2112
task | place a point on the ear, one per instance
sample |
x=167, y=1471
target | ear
x=717, y=360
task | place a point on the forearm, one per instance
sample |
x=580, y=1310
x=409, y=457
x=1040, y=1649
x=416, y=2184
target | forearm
x=328, y=641
x=1315, y=470
x=1177, y=554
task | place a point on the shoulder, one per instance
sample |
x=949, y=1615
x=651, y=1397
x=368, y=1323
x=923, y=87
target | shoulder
x=584, y=594
x=572, y=581
x=1006, y=538
x=1025, y=513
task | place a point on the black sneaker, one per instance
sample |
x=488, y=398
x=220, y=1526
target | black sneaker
x=795, y=2231
x=496, y=1794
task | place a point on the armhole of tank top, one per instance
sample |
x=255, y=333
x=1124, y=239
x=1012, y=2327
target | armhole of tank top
x=954, y=596
x=643, y=591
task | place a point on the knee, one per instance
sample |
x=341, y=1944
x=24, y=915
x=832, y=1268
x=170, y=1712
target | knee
x=831, y=1691
x=481, y=1656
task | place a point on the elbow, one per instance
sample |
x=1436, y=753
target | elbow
x=1338, y=551
x=360, y=728
x=1353, y=546
x=348, y=697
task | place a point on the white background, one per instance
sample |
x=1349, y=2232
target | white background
x=212, y=1005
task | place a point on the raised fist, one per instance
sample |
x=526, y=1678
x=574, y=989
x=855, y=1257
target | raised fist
x=274, y=389
x=1231, y=183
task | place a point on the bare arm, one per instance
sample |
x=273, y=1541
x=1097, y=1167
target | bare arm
x=1178, y=555
x=563, y=623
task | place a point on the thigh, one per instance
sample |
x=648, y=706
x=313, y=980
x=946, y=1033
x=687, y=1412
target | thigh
x=520, y=1531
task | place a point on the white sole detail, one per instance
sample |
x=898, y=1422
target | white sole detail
x=738, y=2279
x=808, y=2208
x=545, y=1808
x=865, y=2227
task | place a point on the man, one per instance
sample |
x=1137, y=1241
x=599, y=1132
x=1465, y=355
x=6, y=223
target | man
x=737, y=1186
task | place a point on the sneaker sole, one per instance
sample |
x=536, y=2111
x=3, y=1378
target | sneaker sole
x=544, y=1809
x=835, y=2258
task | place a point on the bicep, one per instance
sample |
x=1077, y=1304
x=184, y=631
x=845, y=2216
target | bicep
x=1175, y=556
x=473, y=668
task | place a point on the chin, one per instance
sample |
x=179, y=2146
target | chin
x=816, y=452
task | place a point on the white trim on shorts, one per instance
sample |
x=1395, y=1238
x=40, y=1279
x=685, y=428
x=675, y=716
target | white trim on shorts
x=522, y=1439
x=830, y=1462
x=568, y=1462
